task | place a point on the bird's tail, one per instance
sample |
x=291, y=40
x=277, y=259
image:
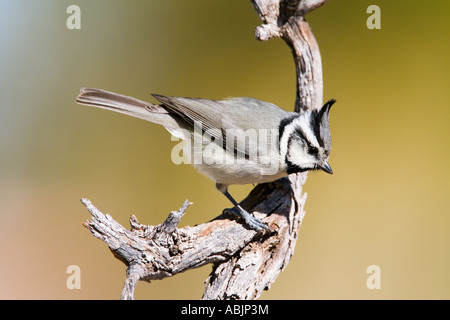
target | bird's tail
x=126, y=105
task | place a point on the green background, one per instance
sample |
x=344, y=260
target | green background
x=386, y=204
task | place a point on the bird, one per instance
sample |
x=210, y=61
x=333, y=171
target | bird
x=235, y=141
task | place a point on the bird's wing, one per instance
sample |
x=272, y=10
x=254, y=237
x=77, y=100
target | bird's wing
x=201, y=113
x=216, y=118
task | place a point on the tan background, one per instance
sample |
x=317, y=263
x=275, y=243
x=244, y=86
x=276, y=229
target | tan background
x=387, y=203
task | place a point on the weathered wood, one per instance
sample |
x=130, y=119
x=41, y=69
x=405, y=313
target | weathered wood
x=256, y=266
x=244, y=262
x=157, y=252
x=285, y=19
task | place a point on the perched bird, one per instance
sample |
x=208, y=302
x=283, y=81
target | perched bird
x=234, y=141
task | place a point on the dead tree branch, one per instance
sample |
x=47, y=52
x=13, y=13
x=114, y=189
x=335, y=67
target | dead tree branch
x=244, y=262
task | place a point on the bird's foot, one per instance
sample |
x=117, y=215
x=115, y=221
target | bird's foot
x=250, y=221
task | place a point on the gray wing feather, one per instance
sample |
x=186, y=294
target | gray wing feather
x=196, y=112
x=216, y=117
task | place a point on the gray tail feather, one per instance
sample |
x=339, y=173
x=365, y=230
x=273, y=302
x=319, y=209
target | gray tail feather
x=125, y=105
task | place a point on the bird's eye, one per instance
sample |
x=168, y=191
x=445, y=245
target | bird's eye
x=313, y=150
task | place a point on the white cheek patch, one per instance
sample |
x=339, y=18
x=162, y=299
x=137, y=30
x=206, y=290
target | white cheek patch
x=297, y=156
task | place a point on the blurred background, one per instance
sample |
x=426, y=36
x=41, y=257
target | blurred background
x=387, y=203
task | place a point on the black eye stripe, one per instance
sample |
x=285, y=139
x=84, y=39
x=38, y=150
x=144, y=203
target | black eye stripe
x=302, y=136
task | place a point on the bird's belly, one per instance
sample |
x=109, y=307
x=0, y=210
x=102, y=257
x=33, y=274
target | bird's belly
x=229, y=174
x=226, y=168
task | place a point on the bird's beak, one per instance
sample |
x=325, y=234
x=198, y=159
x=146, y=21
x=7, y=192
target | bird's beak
x=326, y=167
